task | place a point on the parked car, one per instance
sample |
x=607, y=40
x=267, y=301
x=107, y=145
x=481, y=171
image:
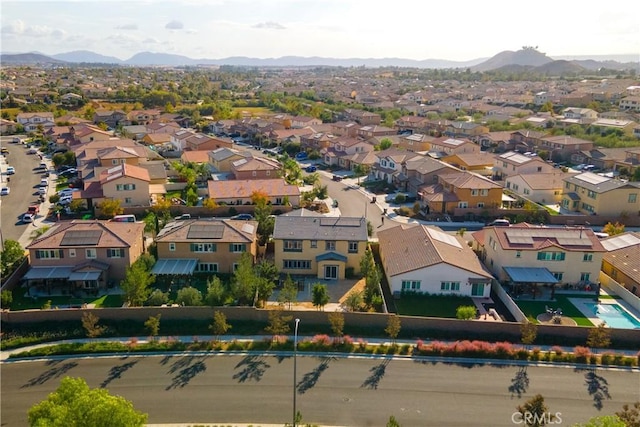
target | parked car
x=336, y=178
x=243, y=217
x=44, y=182
x=311, y=168
x=32, y=151
x=499, y=223
x=4, y=150
x=65, y=200
x=301, y=155
x=183, y=217
x=5, y=191
x=124, y=218
x=42, y=191
x=27, y=217
x=69, y=172
x=11, y=170
x=67, y=191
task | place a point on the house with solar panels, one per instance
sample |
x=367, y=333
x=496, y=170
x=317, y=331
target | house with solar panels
x=621, y=262
x=324, y=247
x=81, y=256
x=593, y=194
x=209, y=245
x=525, y=254
x=425, y=259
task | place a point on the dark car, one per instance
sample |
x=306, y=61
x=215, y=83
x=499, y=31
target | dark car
x=337, y=178
x=243, y=217
x=311, y=168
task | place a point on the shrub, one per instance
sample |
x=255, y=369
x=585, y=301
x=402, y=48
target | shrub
x=581, y=354
x=557, y=350
x=535, y=353
x=466, y=312
x=606, y=358
x=321, y=341
x=503, y=349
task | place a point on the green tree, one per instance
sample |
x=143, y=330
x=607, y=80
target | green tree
x=244, y=280
x=136, y=285
x=75, y=404
x=157, y=298
x=11, y=254
x=604, y=421
x=215, y=292
x=111, y=207
x=385, y=144
x=630, y=414
x=152, y=325
x=528, y=331
x=289, y=292
x=393, y=422
x=465, y=312
x=613, y=229
x=189, y=296
x=278, y=324
x=354, y=300
x=90, y=325
x=6, y=298
x=534, y=412
x=599, y=337
x=219, y=325
x=336, y=320
x=319, y=295
x=393, y=327
x=151, y=223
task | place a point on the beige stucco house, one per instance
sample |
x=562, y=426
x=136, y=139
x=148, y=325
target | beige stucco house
x=592, y=194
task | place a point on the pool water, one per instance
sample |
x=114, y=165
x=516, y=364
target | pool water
x=614, y=315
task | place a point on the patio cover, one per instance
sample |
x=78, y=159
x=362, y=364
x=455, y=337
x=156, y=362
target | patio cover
x=84, y=275
x=333, y=256
x=530, y=275
x=175, y=266
x=40, y=273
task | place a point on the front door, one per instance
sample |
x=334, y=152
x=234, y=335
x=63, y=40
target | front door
x=477, y=289
x=330, y=271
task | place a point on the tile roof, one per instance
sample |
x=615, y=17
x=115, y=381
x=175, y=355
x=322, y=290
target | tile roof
x=239, y=189
x=527, y=237
x=124, y=170
x=626, y=259
x=320, y=228
x=407, y=248
x=469, y=180
x=111, y=234
x=231, y=230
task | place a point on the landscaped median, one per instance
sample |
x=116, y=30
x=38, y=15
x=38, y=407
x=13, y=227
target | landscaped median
x=345, y=344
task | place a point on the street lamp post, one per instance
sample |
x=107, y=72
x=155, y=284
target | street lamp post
x=295, y=348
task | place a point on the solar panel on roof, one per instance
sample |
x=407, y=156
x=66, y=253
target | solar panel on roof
x=620, y=242
x=592, y=178
x=568, y=241
x=340, y=222
x=81, y=238
x=205, y=231
x=520, y=240
x=444, y=238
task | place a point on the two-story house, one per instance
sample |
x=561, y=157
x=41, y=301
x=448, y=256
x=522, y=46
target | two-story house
x=622, y=259
x=544, y=188
x=413, y=124
x=370, y=131
x=421, y=170
x=460, y=190
x=448, y=146
x=512, y=163
x=111, y=118
x=80, y=255
x=204, y=246
x=536, y=255
x=592, y=194
x=202, y=142
x=127, y=183
x=324, y=247
x=341, y=150
x=363, y=118
x=256, y=168
x=389, y=164
x=415, y=142
x=222, y=158
x=468, y=130
x=31, y=122
x=561, y=147
x=422, y=259
x=239, y=192
x=480, y=162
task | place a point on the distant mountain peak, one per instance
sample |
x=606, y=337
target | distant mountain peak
x=528, y=56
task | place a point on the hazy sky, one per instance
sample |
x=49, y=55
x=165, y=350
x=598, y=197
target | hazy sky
x=419, y=29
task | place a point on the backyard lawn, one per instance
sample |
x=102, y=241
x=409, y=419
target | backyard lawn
x=534, y=308
x=430, y=306
x=22, y=302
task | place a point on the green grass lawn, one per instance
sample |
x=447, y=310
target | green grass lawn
x=534, y=308
x=430, y=306
x=21, y=302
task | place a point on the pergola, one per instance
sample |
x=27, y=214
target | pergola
x=532, y=276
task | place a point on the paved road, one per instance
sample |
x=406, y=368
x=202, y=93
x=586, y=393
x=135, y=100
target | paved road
x=345, y=392
x=23, y=186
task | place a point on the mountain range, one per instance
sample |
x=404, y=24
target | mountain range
x=524, y=59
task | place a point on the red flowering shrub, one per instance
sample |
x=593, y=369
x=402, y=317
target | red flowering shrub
x=557, y=350
x=582, y=354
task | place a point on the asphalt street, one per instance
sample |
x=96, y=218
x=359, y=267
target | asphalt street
x=255, y=389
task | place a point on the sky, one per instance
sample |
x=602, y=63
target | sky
x=457, y=30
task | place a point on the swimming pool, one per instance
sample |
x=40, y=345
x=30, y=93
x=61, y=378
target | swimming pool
x=614, y=315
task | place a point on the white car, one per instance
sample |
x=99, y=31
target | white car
x=5, y=191
x=67, y=191
x=65, y=200
x=11, y=170
x=27, y=217
x=42, y=191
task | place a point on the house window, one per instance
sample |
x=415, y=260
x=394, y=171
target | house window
x=475, y=192
x=314, y=243
x=254, y=173
x=72, y=253
x=518, y=254
x=591, y=193
x=463, y=205
x=114, y=161
x=330, y=246
x=91, y=253
x=268, y=173
x=237, y=247
x=587, y=257
x=411, y=285
x=296, y=264
x=292, y=246
x=584, y=277
x=480, y=204
x=49, y=254
x=449, y=286
x=353, y=247
x=172, y=247
x=207, y=267
x=203, y=247
x=551, y=256
x=115, y=253
x=632, y=198
x=125, y=187
x=127, y=200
